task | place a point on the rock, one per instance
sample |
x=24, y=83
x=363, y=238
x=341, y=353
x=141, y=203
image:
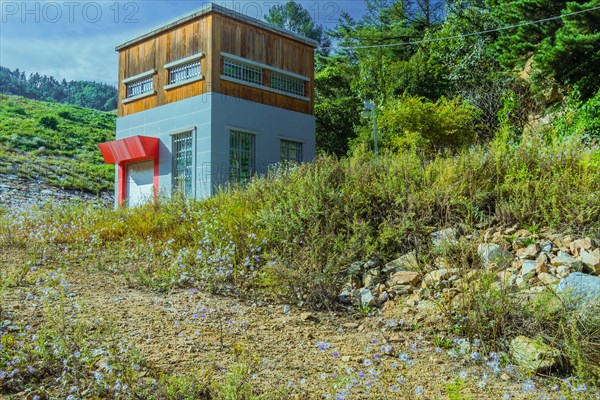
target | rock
x=563, y=271
x=510, y=231
x=345, y=296
x=530, y=252
x=371, y=278
x=401, y=290
x=534, y=355
x=563, y=259
x=581, y=287
x=494, y=255
x=366, y=297
x=287, y=309
x=427, y=306
x=445, y=237
x=405, y=278
x=548, y=246
x=345, y=358
x=350, y=325
x=520, y=242
x=383, y=297
x=540, y=263
x=434, y=278
x=413, y=300
x=528, y=269
x=591, y=259
x=306, y=316
x=576, y=246
x=407, y=262
x=374, y=263
x=548, y=279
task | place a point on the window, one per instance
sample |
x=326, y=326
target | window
x=140, y=86
x=182, y=160
x=184, y=72
x=241, y=156
x=287, y=84
x=243, y=72
x=291, y=151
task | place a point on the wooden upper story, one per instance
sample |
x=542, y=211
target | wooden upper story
x=216, y=50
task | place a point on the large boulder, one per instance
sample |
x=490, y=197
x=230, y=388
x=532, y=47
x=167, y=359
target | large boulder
x=492, y=254
x=534, y=355
x=581, y=287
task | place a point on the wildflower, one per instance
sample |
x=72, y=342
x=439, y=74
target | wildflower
x=506, y=396
x=438, y=349
x=528, y=386
x=323, y=345
x=360, y=374
x=367, y=363
x=335, y=354
x=475, y=356
x=373, y=340
x=481, y=383
x=77, y=354
x=30, y=369
x=413, y=347
x=98, y=376
x=419, y=390
x=509, y=368
x=403, y=356
x=476, y=342
x=462, y=374
x=377, y=357
x=400, y=379
x=394, y=388
x=579, y=388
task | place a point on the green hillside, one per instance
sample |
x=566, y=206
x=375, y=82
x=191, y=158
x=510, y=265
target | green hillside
x=55, y=142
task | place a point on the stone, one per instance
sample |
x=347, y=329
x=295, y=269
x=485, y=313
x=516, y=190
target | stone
x=576, y=246
x=345, y=296
x=401, y=290
x=366, y=297
x=563, y=271
x=591, y=259
x=434, y=278
x=547, y=246
x=287, y=309
x=374, y=263
x=534, y=355
x=548, y=279
x=530, y=252
x=383, y=297
x=581, y=287
x=540, y=263
x=350, y=325
x=306, y=316
x=494, y=255
x=371, y=278
x=563, y=259
x=407, y=262
x=445, y=237
x=427, y=306
x=510, y=231
x=405, y=278
x=528, y=269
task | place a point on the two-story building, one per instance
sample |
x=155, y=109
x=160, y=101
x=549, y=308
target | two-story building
x=209, y=98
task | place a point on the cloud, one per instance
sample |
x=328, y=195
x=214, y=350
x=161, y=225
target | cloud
x=87, y=58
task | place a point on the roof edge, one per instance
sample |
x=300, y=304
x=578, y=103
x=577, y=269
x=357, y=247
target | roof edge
x=211, y=7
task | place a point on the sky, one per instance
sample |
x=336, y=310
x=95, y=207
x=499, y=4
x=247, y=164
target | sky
x=75, y=40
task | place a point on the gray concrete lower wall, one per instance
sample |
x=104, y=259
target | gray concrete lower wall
x=213, y=116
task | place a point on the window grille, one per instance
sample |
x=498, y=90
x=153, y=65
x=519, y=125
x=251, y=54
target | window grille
x=243, y=72
x=182, y=159
x=139, y=87
x=184, y=72
x=241, y=156
x=291, y=151
x=287, y=84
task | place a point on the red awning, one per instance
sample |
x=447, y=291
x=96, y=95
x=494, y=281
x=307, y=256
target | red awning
x=131, y=149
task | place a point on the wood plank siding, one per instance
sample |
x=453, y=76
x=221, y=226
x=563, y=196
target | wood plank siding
x=212, y=34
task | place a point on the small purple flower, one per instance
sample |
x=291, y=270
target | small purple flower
x=419, y=390
x=475, y=356
x=413, y=347
x=335, y=354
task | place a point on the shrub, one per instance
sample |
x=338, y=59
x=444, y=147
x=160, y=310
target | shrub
x=49, y=121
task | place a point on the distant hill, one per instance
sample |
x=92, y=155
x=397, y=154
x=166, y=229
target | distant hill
x=55, y=142
x=99, y=96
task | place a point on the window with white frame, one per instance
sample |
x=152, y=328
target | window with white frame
x=182, y=151
x=244, y=72
x=140, y=86
x=184, y=72
x=290, y=151
x=287, y=83
x=241, y=156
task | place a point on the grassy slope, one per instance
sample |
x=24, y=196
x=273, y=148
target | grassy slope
x=55, y=142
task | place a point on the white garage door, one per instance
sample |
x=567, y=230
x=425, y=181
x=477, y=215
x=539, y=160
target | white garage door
x=140, y=183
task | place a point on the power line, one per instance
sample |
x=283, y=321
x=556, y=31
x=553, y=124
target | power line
x=503, y=28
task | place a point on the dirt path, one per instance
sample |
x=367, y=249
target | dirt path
x=185, y=330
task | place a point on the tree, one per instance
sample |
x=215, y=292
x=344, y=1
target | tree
x=295, y=18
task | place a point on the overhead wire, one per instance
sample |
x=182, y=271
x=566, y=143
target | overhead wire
x=503, y=28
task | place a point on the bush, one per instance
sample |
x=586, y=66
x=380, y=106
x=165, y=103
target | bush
x=414, y=122
x=49, y=122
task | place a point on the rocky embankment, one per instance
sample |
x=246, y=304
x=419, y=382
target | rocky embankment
x=523, y=264
x=18, y=193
